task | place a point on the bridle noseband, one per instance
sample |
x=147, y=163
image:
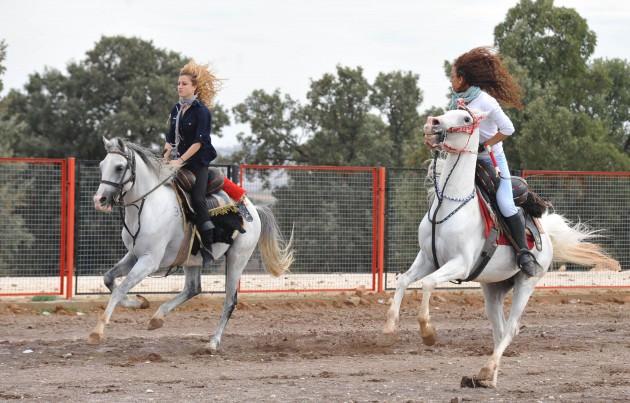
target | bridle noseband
x=131, y=166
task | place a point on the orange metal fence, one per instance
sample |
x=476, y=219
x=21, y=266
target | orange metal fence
x=37, y=221
x=353, y=227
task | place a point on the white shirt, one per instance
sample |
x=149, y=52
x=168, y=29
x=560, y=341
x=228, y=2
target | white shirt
x=496, y=121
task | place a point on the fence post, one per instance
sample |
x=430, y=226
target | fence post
x=382, y=175
x=70, y=212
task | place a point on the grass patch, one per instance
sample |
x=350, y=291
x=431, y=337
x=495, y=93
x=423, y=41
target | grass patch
x=43, y=298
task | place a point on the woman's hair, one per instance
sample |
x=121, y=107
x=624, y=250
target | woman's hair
x=206, y=82
x=482, y=67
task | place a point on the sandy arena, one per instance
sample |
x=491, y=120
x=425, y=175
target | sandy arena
x=572, y=346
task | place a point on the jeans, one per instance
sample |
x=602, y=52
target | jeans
x=198, y=195
x=505, y=198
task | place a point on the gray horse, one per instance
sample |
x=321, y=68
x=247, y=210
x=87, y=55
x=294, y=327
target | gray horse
x=134, y=177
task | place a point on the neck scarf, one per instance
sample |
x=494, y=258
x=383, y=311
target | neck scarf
x=468, y=96
x=183, y=102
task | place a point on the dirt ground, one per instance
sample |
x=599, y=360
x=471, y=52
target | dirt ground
x=572, y=346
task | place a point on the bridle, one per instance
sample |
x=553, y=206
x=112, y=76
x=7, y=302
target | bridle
x=131, y=166
x=442, y=134
x=468, y=129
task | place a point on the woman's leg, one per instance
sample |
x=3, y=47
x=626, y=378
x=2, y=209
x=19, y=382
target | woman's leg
x=514, y=219
x=202, y=218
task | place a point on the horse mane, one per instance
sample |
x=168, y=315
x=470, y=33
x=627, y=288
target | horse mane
x=153, y=161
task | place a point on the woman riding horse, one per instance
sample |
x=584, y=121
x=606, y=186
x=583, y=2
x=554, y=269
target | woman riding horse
x=479, y=78
x=188, y=141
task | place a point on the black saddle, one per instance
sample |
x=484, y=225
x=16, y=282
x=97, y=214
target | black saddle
x=531, y=203
x=224, y=212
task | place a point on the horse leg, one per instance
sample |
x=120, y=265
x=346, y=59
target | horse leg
x=420, y=267
x=494, y=295
x=236, y=264
x=121, y=269
x=451, y=270
x=145, y=265
x=192, y=287
x=523, y=289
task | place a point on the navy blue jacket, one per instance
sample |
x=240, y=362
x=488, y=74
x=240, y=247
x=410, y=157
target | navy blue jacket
x=194, y=127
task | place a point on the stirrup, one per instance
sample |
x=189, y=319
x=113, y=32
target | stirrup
x=206, y=257
x=534, y=271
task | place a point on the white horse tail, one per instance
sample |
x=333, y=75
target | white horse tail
x=277, y=254
x=570, y=244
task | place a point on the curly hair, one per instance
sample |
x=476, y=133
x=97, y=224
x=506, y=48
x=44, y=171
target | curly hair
x=204, y=79
x=483, y=67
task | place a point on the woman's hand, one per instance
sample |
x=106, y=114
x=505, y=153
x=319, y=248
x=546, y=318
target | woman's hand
x=178, y=163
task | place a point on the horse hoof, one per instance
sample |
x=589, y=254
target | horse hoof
x=390, y=329
x=474, y=382
x=95, y=338
x=429, y=340
x=213, y=347
x=155, y=323
x=144, y=303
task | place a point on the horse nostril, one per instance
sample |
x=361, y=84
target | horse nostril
x=435, y=122
x=103, y=199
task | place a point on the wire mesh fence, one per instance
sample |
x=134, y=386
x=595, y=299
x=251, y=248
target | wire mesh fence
x=31, y=218
x=331, y=212
x=601, y=200
x=99, y=245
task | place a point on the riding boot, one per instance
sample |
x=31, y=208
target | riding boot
x=525, y=259
x=207, y=239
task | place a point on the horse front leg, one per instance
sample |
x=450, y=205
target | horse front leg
x=451, y=270
x=523, y=289
x=192, y=287
x=121, y=269
x=144, y=266
x=420, y=267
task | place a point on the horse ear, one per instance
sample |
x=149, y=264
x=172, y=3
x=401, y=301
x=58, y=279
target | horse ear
x=106, y=142
x=121, y=144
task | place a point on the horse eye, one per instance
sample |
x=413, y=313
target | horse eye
x=119, y=168
x=466, y=119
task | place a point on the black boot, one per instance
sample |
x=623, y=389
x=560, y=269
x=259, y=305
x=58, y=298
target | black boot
x=207, y=239
x=525, y=259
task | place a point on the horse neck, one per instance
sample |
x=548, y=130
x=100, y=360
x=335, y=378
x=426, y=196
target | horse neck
x=462, y=179
x=145, y=181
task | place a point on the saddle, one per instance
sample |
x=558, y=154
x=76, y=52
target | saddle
x=496, y=230
x=224, y=199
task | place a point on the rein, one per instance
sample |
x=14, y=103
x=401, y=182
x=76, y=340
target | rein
x=466, y=129
x=131, y=166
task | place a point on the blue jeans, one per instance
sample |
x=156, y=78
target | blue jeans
x=505, y=198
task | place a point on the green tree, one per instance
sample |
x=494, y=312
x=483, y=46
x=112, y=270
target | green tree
x=397, y=96
x=552, y=43
x=124, y=87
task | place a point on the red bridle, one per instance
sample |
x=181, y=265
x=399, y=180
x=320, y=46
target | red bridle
x=466, y=129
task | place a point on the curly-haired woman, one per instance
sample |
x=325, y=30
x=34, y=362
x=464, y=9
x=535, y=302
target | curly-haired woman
x=188, y=140
x=482, y=81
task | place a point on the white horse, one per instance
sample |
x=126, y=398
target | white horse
x=459, y=241
x=134, y=177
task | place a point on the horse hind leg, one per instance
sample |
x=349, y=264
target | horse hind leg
x=235, y=262
x=420, y=267
x=121, y=269
x=523, y=289
x=192, y=287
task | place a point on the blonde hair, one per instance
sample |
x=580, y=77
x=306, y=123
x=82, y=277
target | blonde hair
x=204, y=79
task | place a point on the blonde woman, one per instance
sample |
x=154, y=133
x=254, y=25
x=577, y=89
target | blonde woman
x=188, y=141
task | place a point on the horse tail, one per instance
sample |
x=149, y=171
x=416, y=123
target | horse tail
x=570, y=244
x=277, y=254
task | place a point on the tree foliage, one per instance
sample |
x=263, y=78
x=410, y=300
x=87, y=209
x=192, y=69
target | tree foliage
x=124, y=87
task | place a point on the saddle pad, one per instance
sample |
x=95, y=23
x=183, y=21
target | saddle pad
x=489, y=223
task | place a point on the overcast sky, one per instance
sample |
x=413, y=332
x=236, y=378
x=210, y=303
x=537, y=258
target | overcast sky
x=281, y=43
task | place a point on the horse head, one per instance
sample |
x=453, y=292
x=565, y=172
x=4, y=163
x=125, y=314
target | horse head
x=117, y=174
x=457, y=130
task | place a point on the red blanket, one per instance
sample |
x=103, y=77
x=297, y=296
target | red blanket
x=489, y=223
